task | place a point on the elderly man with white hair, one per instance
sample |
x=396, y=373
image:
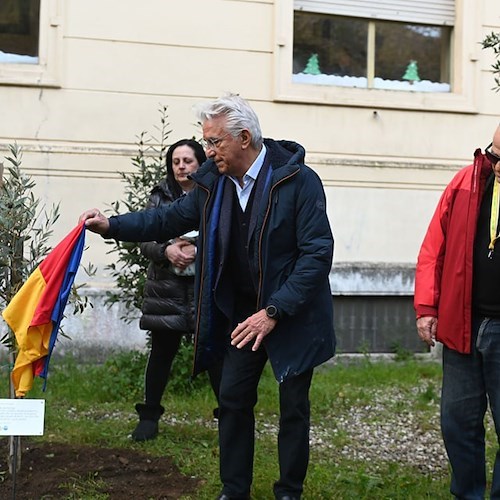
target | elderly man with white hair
x=262, y=292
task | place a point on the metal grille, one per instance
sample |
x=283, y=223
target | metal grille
x=380, y=324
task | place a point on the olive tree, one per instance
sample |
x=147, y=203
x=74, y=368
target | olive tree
x=492, y=41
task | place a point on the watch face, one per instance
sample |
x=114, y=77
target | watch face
x=272, y=312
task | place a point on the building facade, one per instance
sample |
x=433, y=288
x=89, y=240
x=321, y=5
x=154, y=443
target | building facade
x=389, y=99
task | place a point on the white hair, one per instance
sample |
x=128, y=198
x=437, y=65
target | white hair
x=239, y=115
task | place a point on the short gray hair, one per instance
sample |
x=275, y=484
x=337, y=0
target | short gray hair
x=239, y=115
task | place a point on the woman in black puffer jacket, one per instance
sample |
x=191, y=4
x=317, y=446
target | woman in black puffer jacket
x=168, y=307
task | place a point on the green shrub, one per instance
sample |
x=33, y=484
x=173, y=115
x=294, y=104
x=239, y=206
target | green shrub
x=492, y=41
x=121, y=378
x=181, y=380
x=123, y=375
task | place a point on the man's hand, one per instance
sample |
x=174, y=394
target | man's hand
x=256, y=327
x=94, y=221
x=427, y=326
x=181, y=253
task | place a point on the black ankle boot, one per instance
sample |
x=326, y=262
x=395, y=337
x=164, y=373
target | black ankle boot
x=147, y=428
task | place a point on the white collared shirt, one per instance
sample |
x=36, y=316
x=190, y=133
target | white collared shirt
x=249, y=179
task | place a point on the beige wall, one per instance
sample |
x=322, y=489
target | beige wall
x=113, y=63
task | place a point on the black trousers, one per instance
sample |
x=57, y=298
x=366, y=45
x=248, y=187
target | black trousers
x=241, y=372
x=164, y=347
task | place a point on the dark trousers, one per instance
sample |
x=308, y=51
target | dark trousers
x=241, y=373
x=164, y=347
x=470, y=382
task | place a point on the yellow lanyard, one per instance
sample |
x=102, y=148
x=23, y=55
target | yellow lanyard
x=495, y=199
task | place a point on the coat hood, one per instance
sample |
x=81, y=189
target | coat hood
x=282, y=153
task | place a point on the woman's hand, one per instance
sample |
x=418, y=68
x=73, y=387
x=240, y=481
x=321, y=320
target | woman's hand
x=181, y=253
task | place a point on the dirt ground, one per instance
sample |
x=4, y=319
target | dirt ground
x=54, y=471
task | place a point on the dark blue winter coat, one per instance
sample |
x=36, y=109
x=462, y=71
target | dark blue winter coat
x=290, y=254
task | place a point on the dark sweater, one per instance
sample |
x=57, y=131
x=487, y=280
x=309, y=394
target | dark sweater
x=486, y=274
x=245, y=294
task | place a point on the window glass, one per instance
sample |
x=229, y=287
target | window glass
x=334, y=50
x=19, y=31
x=340, y=44
x=398, y=44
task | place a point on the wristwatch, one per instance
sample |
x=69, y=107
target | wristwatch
x=272, y=312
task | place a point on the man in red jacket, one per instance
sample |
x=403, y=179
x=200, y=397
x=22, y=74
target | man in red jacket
x=457, y=302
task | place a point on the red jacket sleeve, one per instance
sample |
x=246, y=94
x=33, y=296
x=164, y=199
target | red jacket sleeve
x=430, y=259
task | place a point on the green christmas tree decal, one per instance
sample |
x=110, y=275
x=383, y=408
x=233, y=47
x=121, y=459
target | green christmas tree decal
x=411, y=73
x=312, y=66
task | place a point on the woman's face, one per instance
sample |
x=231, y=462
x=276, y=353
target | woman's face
x=184, y=163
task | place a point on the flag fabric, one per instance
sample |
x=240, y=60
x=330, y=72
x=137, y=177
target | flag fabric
x=35, y=312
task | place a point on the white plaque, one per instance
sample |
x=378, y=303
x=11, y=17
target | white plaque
x=22, y=417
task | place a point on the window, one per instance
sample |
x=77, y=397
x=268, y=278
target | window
x=357, y=52
x=30, y=42
x=378, y=53
x=19, y=31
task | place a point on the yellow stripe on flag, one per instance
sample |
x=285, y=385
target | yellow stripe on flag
x=33, y=341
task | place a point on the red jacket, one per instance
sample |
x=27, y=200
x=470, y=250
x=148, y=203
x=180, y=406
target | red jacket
x=443, y=279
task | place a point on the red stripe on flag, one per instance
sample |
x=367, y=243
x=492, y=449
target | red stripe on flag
x=53, y=269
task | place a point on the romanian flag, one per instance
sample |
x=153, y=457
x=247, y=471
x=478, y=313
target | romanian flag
x=35, y=312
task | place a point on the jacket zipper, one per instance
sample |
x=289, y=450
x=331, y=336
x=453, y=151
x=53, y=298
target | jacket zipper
x=261, y=273
x=202, y=275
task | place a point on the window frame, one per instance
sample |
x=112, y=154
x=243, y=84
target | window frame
x=463, y=73
x=46, y=73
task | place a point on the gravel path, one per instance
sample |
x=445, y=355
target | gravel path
x=386, y=430
x=382, y=432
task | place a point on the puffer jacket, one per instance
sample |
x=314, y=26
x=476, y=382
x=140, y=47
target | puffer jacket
x=443, y=278
x=290, y=255
x=168, y=298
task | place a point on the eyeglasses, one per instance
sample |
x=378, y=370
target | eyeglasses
x=213, y=142
x=494, y=158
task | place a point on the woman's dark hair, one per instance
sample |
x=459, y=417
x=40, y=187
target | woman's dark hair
x=199, y=154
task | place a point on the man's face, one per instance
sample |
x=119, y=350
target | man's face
x=496, y=170
x=222, y=147
x=495, y=155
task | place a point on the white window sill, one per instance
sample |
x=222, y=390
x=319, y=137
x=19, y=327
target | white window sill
x=378, y=83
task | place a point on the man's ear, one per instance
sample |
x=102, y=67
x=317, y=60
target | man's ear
x=246, y=138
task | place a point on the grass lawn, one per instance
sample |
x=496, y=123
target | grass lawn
x=374, y=433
